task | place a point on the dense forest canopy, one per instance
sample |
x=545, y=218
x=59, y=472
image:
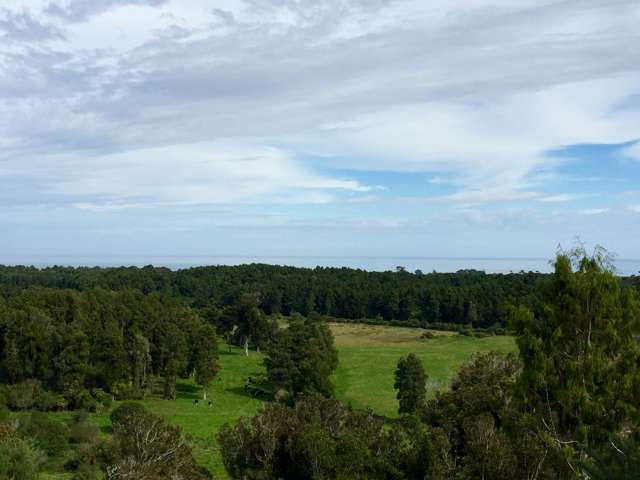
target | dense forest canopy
x=466, y=297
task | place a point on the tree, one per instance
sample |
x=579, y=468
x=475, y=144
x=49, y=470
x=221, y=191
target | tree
x=170, y=379
x=580, y=358
x=411, y=382
x=249, y=319
x=302, y=357
x=206, y=357
x=144, y=447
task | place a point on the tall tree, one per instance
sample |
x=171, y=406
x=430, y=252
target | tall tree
x=580, y=359
x=249, y=319
x=206, y=357
x=411, y=382
x=302, y=357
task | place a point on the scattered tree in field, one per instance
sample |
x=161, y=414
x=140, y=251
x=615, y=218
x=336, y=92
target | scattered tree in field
x=302, y=357
x=250, y=321
x=206, y=357
x=411, y=382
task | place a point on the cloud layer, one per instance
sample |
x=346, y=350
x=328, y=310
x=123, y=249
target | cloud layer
x=118, y=105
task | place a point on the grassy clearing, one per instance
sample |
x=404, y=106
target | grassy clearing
x=367, y=354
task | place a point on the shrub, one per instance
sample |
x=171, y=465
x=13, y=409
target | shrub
x=4, y=413
x=50, y=434
x=19, y=459
x=84, y=401
x=123, y=391
x=46, y=401
x=102, y=397
x=82, y=430
x=21, y=396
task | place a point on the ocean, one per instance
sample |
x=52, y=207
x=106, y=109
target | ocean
x=426, y=264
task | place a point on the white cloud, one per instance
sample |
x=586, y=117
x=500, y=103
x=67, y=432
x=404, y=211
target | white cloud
x=562, y=197
x=475, y=92
x=204, y=173
x=593, y=211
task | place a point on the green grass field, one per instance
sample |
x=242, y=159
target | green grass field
x=364, y=378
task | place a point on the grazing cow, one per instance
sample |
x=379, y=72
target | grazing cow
x=210, y=403
x=195, y=402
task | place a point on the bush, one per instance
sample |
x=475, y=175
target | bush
x=427, y=336
x=21, y=396
x=102, y=397
x=4, y=414
x=19, y=459
x=46, y=401
x=84, y=401
x=51, y=435
x=126, y=411
x=82, y=430
x=123, y=391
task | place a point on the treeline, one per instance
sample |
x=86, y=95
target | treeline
x=467, y=297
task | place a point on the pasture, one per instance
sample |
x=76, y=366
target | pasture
x=364, y=379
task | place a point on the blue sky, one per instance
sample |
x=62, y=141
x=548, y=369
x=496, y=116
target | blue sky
x=333, y=127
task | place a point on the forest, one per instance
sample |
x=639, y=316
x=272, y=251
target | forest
x=83, y=341
x=463, y=298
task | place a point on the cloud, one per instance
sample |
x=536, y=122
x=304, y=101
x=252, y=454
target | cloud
x=189, y=174
x=562, y=197
x=82, y=10
x=593, y=211
x=480, y=94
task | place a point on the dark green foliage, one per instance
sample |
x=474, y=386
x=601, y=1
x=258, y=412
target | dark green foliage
x=619, y=460
x=580, y=360
x=420, y=299
x=411, y=384
x=125, y=411
x=30, y=395
x=205, y=357
x=302, y=357
x=82, y=430
x=319, y=438
x=59, y=346
x=487, y=439
x=50, y=435
x=20, y=459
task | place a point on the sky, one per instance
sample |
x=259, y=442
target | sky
x=471, y=128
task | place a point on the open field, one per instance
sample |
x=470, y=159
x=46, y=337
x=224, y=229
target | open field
x=364, y=378
x=368, y=355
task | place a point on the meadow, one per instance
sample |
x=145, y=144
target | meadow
x=364, y=379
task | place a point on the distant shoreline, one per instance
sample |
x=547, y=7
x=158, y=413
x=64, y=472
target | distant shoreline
x=426, y=264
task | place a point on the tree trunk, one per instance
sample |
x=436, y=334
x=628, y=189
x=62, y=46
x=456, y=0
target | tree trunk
x=204, y=394
x=246, y=346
